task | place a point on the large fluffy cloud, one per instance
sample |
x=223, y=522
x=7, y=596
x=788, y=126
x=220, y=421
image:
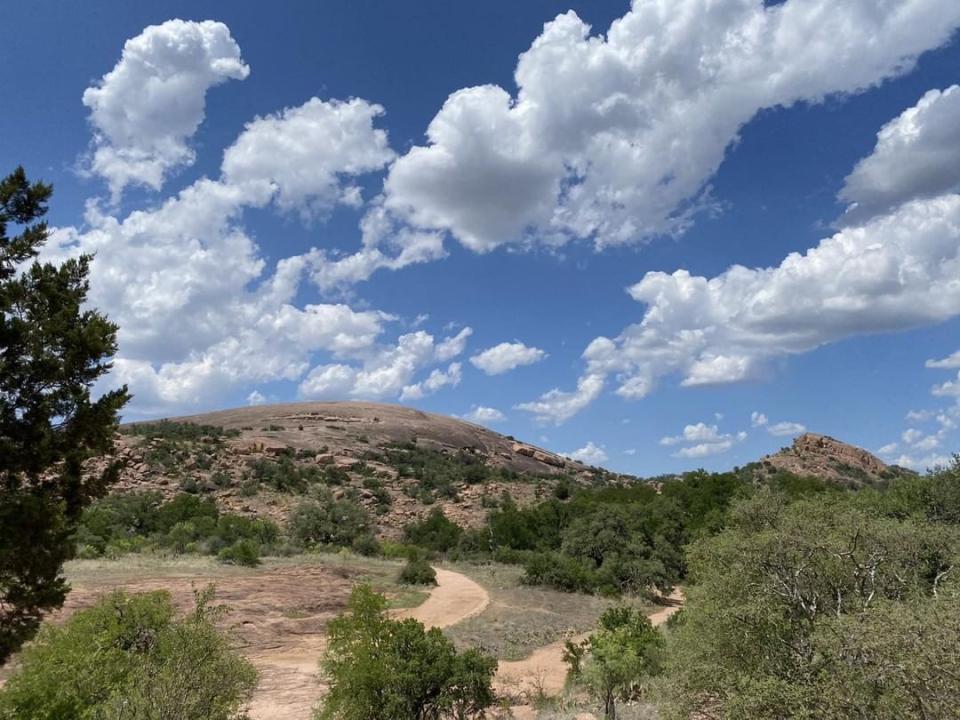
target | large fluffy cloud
x=917, y=155
x=145, y=110
x=615, y=137
x=201, y=312
x=894, y=271
x=306, y=151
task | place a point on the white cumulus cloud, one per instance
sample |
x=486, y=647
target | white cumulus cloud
x=786, y=428
x=308, y=153
x=917, y=155
x=614, y=137
x=558, y=406
x=589, y=454
x=505, y=357
x=146, y=109
x=483, y=415
x=951, y=362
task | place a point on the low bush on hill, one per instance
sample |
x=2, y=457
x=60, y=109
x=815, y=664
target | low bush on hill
x=243, y=552
x=133, y=522
x=323, y=521
x=178, y=431
x=435, y=532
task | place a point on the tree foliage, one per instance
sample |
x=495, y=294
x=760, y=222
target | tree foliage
x=384, y=669
x=613, y=662
x=130, y=657
x=324, y=520
x=832, y=606
x=52, y=350
x=435, y=532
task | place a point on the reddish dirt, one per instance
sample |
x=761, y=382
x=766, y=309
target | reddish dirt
x=278, y=617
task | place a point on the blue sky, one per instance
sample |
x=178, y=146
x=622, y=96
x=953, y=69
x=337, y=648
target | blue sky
x=336, y=248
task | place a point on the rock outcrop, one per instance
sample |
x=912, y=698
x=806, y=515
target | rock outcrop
x=824, y=457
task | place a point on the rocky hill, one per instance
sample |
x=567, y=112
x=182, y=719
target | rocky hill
x=829, y=459
x=396, y=461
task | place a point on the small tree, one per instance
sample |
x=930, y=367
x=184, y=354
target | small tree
x=613, y=661
x=52, y=350
x=384, y=669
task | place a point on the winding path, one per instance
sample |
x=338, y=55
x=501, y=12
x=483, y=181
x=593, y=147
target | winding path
x=544, y=670
x=455, y=598
x=289, y=684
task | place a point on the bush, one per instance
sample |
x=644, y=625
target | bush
x=178, y=431
x=325, y=521
x=120, y=524
x=384, y=669
x=129, y=657
x=367, y=546
x=417, y=571
x=242, y=552
x=435, y=532
x=561, y=573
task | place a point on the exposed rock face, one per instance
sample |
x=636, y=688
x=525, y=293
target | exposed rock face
x=824, y=457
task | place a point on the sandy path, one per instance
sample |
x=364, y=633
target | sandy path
x=544, y=670
x=290, y=686
x=456, y=597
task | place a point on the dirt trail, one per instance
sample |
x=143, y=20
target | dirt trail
x=544, y=670
x=290, y=686
x=455, y=598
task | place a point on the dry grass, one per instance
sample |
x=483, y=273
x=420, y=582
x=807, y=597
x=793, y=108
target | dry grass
x=520, y=618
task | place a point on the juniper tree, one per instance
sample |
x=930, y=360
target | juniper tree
x=52, y=350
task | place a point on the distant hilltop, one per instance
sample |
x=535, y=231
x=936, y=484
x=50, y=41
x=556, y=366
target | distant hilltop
x=830, y=459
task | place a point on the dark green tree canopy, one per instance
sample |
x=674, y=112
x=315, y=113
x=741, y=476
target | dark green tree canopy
x=52, y=351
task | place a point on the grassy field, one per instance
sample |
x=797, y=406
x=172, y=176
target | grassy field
x=520, y=618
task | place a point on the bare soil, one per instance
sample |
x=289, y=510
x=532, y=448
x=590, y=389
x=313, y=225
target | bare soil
x=279, y=613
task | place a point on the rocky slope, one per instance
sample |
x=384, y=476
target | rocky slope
x=827, y=458
x=260, y=460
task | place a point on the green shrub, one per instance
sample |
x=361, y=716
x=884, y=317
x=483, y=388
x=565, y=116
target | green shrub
x=561, y=573
x=130, y=657
x=178, y=431
x=417, y=571
x=384, y=669
x=322, y=520
x=243, y=552
x=435, y=532
x=366, y=545
x=397, y=551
